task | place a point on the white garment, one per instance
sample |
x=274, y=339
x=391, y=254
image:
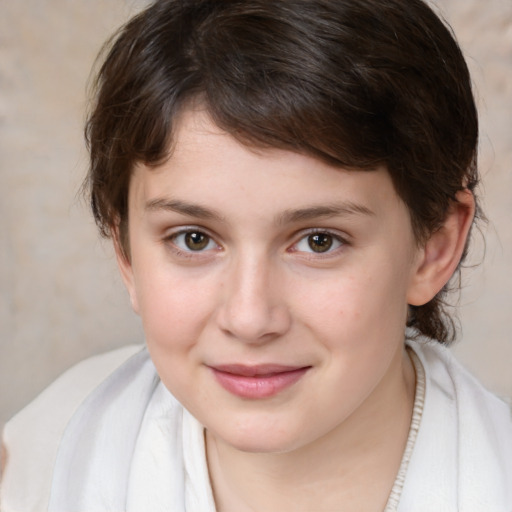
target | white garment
x=462, y=459
x=126, y=445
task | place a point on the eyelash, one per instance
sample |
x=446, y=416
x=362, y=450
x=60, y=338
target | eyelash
x=335, y=239
x=185, y=252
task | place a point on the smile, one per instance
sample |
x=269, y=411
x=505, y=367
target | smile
x=254, y=382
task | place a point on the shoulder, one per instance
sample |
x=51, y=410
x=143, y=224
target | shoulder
x=465, y=434
x=31, y=438
x=448, y=374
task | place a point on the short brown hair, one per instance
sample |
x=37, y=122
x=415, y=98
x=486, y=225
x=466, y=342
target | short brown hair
x=356, y=83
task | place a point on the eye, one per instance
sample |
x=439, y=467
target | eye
x=193, y=241
x=319, y=242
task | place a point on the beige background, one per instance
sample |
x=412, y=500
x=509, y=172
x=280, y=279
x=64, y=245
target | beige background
x=60, y=296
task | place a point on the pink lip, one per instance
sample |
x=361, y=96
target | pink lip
x=260, y=381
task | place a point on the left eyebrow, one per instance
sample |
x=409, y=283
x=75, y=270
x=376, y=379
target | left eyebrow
x=316, y=212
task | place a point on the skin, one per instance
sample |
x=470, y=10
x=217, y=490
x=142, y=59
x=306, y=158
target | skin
x=255, y=290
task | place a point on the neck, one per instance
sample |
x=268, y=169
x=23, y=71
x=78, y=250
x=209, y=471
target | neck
x=354, y=465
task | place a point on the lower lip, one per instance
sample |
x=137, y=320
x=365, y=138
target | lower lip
x=262, y=386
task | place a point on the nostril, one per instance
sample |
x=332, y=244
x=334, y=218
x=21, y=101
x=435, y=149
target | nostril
x=254, y=325
x=252, y=306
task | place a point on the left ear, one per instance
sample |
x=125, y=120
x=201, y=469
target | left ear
x=442, y=252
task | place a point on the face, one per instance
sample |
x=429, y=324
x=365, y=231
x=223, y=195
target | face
x=272, y=287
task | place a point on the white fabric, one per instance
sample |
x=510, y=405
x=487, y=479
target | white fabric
x=130, y=446
x=462, y=460
x=32, y=437
x=169, y=458
x=417, y=415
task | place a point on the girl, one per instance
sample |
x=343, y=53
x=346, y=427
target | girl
x=289, y=186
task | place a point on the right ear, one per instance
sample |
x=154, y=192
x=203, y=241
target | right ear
x=125, y=266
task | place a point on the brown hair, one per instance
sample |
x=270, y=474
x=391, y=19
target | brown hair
x=356, y=83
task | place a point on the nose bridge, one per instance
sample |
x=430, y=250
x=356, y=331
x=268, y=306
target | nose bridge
x=254, y=308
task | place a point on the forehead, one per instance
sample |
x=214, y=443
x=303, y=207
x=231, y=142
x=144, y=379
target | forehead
x=207, y=166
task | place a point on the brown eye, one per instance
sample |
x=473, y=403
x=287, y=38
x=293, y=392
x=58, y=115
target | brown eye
x=320, y=242
x=196, y=241
x=193, y=241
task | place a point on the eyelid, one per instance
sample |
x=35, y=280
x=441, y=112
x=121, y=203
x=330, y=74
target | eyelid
x=187, y=228
x=337, y=235
x=173, y=233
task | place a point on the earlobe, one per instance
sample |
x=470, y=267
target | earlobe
x=442, y=252
x=125, y=268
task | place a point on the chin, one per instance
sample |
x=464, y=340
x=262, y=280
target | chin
x=262, y=446
x=262, y=439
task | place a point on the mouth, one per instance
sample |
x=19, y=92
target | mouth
x=256, y=382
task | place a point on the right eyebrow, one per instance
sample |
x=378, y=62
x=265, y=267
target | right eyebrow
x=184, y=208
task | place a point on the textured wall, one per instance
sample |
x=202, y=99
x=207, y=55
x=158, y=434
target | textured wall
x=60, y=296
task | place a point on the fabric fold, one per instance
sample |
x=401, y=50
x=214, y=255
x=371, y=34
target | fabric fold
x=131, y=446
x=95, y=455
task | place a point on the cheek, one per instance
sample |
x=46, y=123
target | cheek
x=174, y=313
x=174, y=308
x=357, y=308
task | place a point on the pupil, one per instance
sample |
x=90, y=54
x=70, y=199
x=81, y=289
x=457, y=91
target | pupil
x=320, y=242
x=196, y=241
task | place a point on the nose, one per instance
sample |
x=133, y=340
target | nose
x=253, y=307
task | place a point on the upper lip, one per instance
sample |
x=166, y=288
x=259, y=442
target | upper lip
x=259, y=370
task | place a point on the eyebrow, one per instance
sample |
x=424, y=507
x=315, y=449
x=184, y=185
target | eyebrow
x=347, y=208
x=188, y=209
x=331, y=210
